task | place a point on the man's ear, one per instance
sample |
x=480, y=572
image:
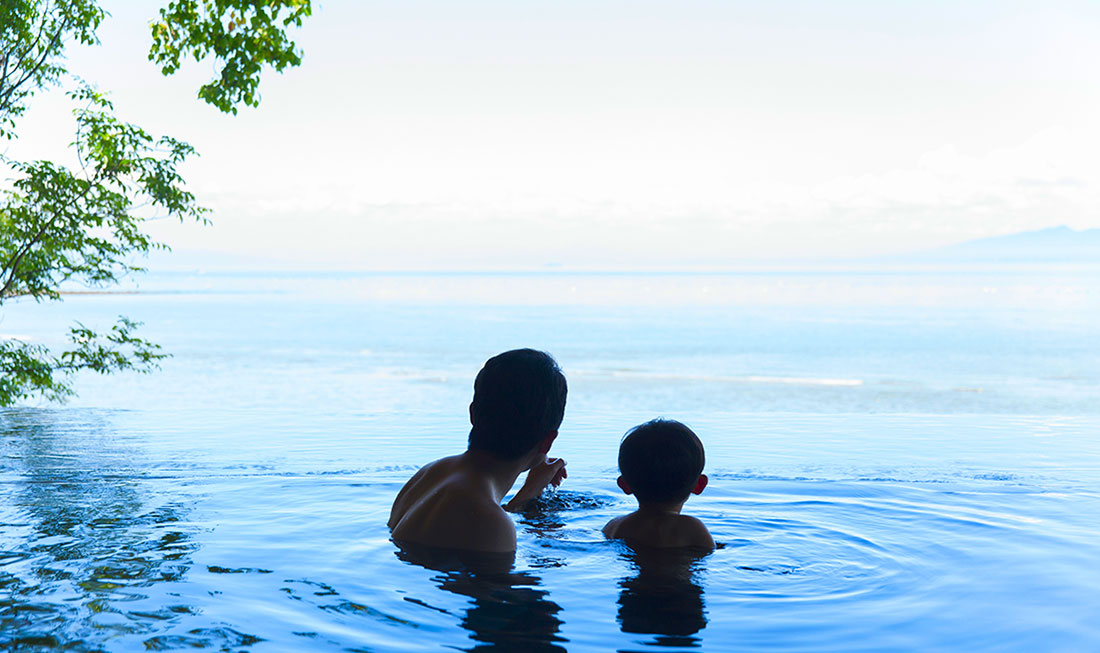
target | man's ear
x=471, y=413
x=700, y=484
x=544, y=446
x=623, y=486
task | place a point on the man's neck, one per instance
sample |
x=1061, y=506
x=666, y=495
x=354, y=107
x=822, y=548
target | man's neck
x=499, y=475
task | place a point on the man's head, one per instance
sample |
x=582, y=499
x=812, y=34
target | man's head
x=661, y=461
x=519, y=402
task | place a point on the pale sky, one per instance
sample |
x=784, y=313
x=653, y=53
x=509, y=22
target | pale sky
x=428, y=134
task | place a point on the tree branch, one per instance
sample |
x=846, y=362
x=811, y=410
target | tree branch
x=12, y=266
x=54, y=41
x=35, y=68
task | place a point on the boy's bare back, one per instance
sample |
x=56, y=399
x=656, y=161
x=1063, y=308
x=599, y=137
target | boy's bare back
x=661, y=530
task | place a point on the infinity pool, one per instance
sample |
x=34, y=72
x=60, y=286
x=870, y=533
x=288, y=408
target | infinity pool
x=897, y=462
x=148, y=530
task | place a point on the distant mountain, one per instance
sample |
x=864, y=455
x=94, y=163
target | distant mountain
x=1055, y=244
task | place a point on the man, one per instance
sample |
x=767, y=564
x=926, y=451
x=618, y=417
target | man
x=454, y=502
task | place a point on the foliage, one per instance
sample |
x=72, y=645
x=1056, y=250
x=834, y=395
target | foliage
x=86, y=224
x=27, y=370
x=241, y=34
x=32, y=38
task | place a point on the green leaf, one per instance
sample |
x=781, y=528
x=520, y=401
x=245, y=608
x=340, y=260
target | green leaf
x=241, y=36
x=87, y=224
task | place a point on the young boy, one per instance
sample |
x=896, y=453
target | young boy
x=661, y=464
x=454, y=502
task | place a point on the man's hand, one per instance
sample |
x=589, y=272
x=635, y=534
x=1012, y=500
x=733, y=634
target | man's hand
x=551, y=471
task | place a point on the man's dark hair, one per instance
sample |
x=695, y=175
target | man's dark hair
x=519, y=398
x=661, y=460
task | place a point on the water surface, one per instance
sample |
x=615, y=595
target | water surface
x=896, y=460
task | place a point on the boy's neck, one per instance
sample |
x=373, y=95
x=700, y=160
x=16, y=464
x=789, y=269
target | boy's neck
x=663, y=507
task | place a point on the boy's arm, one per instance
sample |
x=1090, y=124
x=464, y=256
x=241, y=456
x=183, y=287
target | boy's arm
x=550, y=471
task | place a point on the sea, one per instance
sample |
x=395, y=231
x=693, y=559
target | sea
x=901, y=457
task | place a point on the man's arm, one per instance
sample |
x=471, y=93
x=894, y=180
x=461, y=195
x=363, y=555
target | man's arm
x=550, y=471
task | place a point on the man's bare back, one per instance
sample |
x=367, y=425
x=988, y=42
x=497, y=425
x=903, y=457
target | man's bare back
x=454, y=502
x=448, y=504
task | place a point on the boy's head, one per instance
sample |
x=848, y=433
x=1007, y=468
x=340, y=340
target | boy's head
x=661, y=461
x=519, y=401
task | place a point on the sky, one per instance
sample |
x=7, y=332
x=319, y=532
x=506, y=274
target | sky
x=429, y=134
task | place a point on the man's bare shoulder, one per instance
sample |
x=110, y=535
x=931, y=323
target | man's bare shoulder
x=422, y=481
x=446, y=506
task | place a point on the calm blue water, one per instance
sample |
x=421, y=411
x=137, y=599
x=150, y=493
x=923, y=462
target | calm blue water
x=898, y=460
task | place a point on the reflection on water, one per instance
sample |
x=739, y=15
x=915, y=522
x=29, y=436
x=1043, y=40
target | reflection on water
x=662, y=597
x=508, y=612
x=231, y=530
x=81, y=544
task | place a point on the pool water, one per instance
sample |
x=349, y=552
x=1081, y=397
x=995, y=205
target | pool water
x=884, y=474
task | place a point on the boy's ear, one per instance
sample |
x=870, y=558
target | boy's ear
x=623, y=486
x=546, y=443
x=700, y=484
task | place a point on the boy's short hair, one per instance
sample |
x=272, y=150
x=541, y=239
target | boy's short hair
x=661, y=460
x=519, y=398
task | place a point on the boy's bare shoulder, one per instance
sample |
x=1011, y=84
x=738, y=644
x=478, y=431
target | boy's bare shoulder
x=659, y=531
x=611, y=528
x=695, y=533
